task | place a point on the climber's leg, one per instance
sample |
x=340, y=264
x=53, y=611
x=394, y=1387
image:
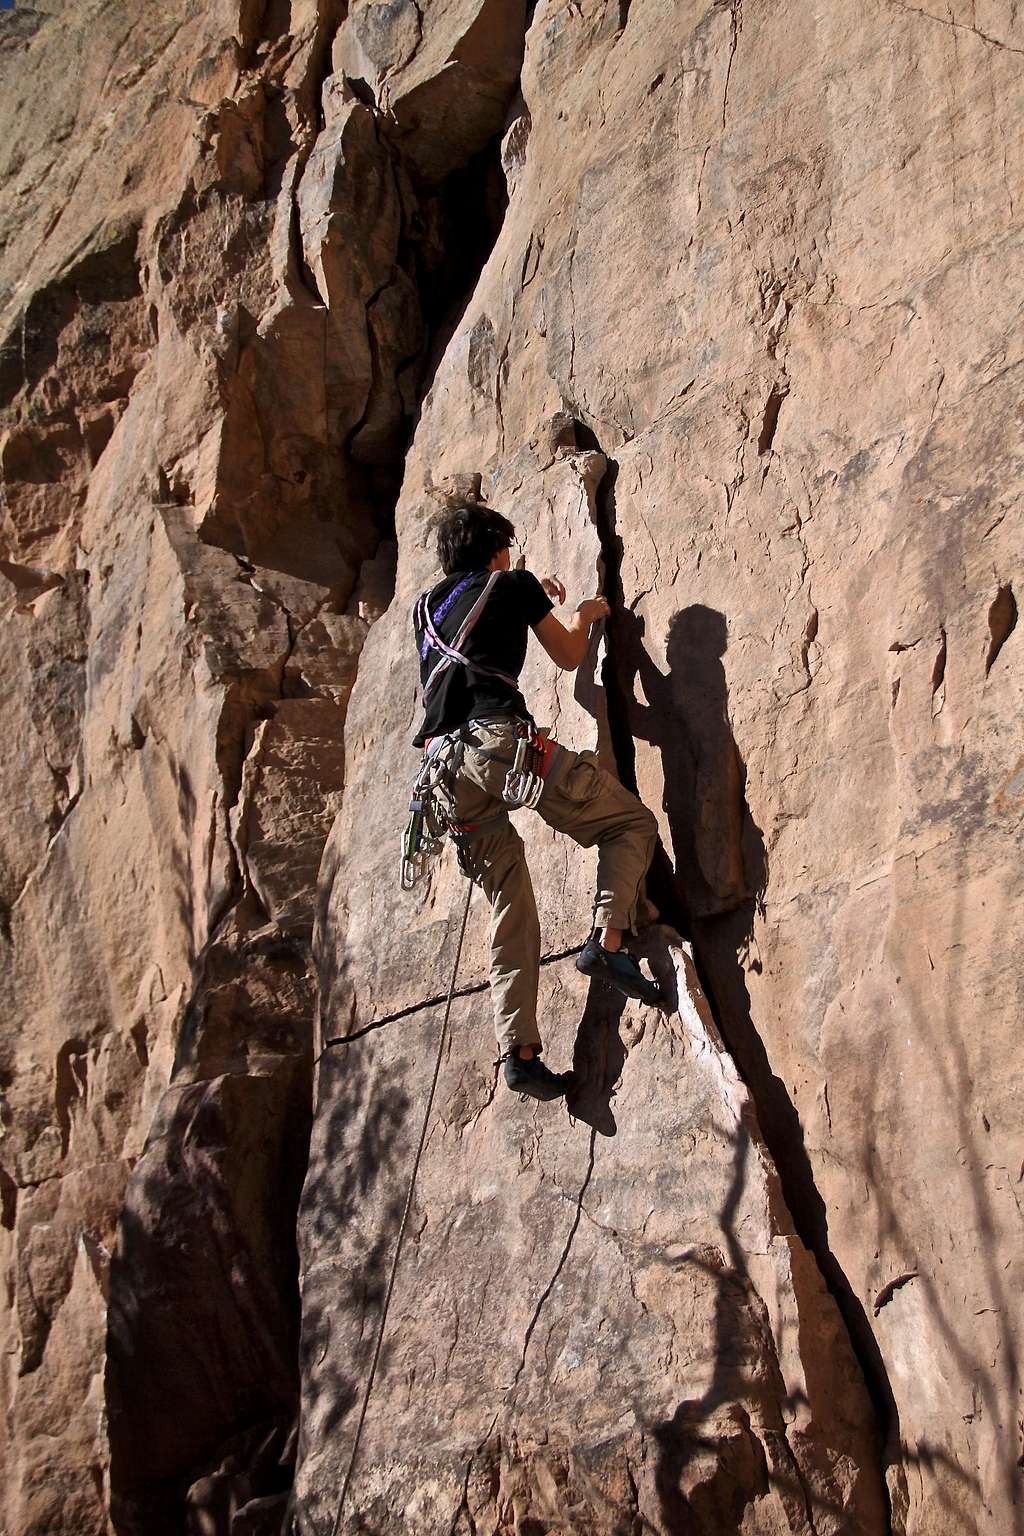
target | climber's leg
x=493, y=853
x=592, y=807
x=515, y=938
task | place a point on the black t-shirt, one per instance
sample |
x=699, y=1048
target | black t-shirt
x=497, y=639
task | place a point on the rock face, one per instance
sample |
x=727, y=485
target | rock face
x=586, y=1334
x=717, y=303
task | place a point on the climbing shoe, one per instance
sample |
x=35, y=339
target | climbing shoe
x=533, y=1079
x=619, y=970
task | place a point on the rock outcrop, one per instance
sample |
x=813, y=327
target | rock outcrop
x=717, y=302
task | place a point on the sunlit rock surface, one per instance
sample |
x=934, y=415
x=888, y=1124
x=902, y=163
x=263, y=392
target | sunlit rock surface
x=720, y=305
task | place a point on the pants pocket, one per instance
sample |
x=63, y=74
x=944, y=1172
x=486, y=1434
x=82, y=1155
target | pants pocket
x=582, y=780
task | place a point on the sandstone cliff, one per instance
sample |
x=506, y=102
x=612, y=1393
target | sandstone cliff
x=719, y=303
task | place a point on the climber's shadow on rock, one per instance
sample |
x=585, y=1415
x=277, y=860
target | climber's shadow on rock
x=717, y=861
x=599, y=1052
x=598, y=1058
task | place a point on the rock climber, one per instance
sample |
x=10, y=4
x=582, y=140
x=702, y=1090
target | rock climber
x=471, y=633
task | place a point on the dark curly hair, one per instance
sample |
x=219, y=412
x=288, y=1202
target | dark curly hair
x=470, y=537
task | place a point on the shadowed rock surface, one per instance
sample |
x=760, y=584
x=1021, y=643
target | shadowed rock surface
x=718, y=303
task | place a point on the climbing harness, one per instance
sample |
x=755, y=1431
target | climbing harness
x=405, y=1218
x=451, y=655
x=435, y=782
x=432, y=802
x=442, y=609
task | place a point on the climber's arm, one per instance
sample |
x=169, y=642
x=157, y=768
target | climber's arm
x=566, y=644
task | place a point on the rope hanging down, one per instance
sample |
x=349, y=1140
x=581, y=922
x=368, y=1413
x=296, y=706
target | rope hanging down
x=405, y=1218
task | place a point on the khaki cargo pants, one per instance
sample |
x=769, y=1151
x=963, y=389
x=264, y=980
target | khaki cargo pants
x=581, y=799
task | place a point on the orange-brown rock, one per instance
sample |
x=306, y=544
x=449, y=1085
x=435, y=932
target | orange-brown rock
x=717, y=302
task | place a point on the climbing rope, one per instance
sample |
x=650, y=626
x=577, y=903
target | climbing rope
x=405, y=1218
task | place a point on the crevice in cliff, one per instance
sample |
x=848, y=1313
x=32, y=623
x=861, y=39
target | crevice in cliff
x=469, y=990
x=563, y=1257
x=469, y=208
x=720, y=976
x=8, y=1201
x=463, y=1507
x=1002, y=620
x=938, y=666
x=770, y=419
x=735, y=27
x=447, y=231
x=799, y=1479
x=956, y=26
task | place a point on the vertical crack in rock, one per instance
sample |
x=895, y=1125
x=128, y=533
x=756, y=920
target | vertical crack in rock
x=472, y=202
x=777, y=1116
x=800, y=1480
x=939, y=665
x=574, y=1228
x=770, y=420
x=1002, y=620
x=463, y=1507
x=240, y=1087
x=736, y=26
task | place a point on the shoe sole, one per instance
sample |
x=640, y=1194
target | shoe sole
x=599, y=973
x=536, y=1091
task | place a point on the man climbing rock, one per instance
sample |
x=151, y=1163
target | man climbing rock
x=471, y=632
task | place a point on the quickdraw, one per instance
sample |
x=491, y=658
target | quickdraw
x=421, y=840
x=524, y=782
x=428, y=821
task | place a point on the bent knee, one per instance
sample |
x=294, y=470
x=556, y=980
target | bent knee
x=646, y=822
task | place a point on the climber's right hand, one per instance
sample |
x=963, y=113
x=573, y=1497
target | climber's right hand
x=592, y=609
